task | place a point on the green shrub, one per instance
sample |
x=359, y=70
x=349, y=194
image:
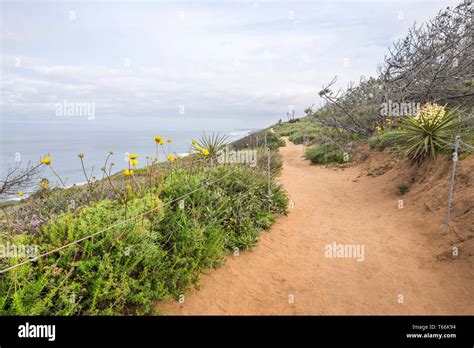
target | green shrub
x=385, y=139
x=104, y=275
x=274, y=141
x=257, y=139
x=286, y=129
x=299, y=138
x=155, y=257
x=464, y=155
x=325, y=153
x=287, y=132
x=297, y=131
x=402, y=189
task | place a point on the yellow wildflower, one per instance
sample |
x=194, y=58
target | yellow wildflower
x=159, y=140
x=44, y=184
x=20, y=194
x=81, y=155
x=378, y=128
x=170, y=158
x=205, y=152
x=133, y=162
x=46, y=160
x=127, y=172
x=132, y=156
x=169, y=140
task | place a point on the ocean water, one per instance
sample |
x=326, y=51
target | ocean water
x=31, y=142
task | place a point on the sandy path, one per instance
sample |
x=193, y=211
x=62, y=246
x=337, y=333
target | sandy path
x=288, y=272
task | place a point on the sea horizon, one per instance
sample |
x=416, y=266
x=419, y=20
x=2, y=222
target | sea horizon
x=64, y=146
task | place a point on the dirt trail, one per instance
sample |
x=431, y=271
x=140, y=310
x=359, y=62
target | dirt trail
x=289, y=262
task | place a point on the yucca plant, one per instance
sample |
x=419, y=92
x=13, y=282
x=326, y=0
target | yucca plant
x=213, y=143
x=424, y=134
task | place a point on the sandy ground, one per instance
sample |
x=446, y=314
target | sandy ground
x=287, y=272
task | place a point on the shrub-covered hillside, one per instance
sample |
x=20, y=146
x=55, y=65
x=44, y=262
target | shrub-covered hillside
x=144, y=238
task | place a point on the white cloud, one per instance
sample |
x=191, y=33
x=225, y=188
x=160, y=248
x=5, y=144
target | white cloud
x=223, y=60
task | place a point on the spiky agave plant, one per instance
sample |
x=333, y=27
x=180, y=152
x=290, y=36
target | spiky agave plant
x=213, y=143
x=425, y=133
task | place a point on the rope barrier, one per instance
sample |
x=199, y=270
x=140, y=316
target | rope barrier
x=110, y=227
x=213, y=220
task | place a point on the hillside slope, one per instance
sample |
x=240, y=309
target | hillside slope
x=288, y=272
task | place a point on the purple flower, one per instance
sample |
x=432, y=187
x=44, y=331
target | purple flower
x=35, y=222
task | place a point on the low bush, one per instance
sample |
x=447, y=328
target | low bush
x=325, y=153
x=276, y=161
x=385, y=139
x=298, y=131
x=299, y=137
x=274, y=141
x=257, y=139
x=402, y=189
x=287, y=129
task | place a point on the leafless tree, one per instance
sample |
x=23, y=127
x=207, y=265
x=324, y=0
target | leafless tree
x=18, y=179
x=434, y=62
x=353, y=109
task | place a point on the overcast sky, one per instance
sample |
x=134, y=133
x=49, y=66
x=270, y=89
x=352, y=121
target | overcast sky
x=232, y=64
